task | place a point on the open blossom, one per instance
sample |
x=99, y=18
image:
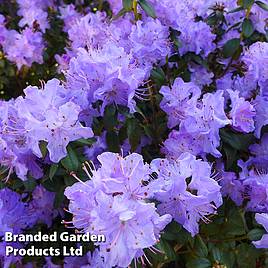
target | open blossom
x=178, y=100
x=69, y=15
x=24, y=48
x=108, y=74
x=50, y=117
x=199, y=130
x=150, y=41
x=242, y=113
x=198, y=38
x=261, y=118
x=256, y=60
x=13, y=217
x=262, y=218
x=15, y=147
x=34, y=11
x=114, y=203
x=40, y=208
x=188, y=201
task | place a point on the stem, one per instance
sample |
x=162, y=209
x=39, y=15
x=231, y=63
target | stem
x=100, y=5
x=243, y=237
x=135, y=9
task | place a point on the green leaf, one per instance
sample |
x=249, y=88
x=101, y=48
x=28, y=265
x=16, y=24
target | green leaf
x=127, y=5
x=86, y=141
x=52, y=171
x=200, y=247
x=247, y=3
x=147, y=8
x=158, y=76
x=255, y=234
x=235, y=10
x=247, y=255
x=112, y=141
x=110, y=117
x=199, y=263
x=216, y=253
x=167, y=249
x=171, y=231
x=59, y=197
x=234, y=223
x=230, y=47
x=238, y=141
x=231, y=155
x=134, y=133
x=262, y=5
x=70, y=162
x=29, y=184
x=43, y=148
x=247, y=27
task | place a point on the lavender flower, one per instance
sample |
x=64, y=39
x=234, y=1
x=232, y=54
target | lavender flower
x=179, y=100
x=242, y=113
x=114, y=203
x=187, y=200
x=263, y=220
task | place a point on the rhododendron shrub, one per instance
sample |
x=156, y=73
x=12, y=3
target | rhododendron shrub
x=145, y=121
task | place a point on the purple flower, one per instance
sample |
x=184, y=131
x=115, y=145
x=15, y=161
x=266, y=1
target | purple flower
x=256, y=60
x=179, y=100
x=263, y=220
x=242, y=113
x=13, y=217
x=261, y=118
x=197, y=38
x=15, y=146
x=51, y=117
x=189, y=193
x=150, y=41
x=25, y=48
x=40, y=208
x=199, y=131
x=69, y=15
x=114, y=203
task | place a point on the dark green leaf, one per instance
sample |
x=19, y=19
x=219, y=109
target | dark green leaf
x=70, y=162
x=43, y=148
x=216, y=253
x=29, y=184
x=86, y=141
x=127, y=4
x=246, y=255
x=110, y=117
x=200, y=247
x=158, y=76
x=236, y=140
x=262, y=5
x=247, y=27
x=134, y=133
x=247, y=3
x=167, y=249
x=59, y=197
x=199, y=263
x=52, y=171
x=255, y=234
x=112, y=141
x=147, y=8
x=230, y=47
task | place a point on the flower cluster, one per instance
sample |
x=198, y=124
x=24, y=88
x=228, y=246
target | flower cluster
x=178, y=87
x=23, y=48
x=115, y=203
x=43, y=115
